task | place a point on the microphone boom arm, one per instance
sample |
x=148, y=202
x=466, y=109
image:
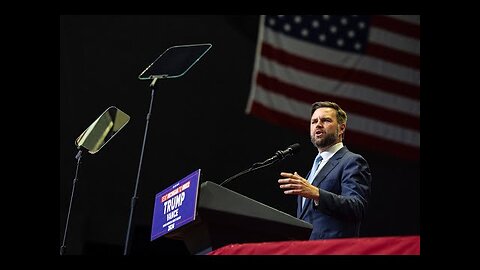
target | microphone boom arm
x=279, y=155
x=254, y=167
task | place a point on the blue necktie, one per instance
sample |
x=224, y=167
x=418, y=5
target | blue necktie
x=316, y=163
x=312, y=175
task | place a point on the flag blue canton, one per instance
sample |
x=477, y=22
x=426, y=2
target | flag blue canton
x=345, y=33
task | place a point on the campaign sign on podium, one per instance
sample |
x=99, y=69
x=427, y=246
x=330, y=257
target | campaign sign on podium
x=175, y=206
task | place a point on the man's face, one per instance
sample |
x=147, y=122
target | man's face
x=324, y=128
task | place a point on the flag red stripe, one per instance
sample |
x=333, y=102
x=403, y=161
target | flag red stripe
x=372, y=143
x=308, y=96
x=281, y=119
x=342, y=74
x=393, y=55
x=367, y=141
x=393, y=25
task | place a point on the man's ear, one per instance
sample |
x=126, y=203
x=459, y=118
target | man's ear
x=342, y=129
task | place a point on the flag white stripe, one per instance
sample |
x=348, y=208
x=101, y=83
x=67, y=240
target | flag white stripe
x=301, y=110
x=253, y=83
x=415, y=19
x=323, y=85
x=383, y=130
x=343, y=59
x=395, y=41
x=283, y=104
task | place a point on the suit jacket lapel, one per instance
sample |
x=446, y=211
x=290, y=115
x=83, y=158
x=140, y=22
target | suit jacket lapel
x=326, y=169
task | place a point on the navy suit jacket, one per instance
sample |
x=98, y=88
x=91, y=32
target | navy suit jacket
x=344, y=184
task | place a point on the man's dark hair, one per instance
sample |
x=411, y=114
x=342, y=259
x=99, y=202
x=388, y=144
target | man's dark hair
x=341, y=114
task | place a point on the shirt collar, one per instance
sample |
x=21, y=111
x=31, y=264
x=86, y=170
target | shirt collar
x=327, y=154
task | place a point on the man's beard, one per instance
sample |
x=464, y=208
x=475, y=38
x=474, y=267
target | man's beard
x=330, y=139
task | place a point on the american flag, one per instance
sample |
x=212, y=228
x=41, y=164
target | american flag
x=369, y=65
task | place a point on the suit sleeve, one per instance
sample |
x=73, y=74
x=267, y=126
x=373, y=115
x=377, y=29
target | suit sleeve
x=352, y=201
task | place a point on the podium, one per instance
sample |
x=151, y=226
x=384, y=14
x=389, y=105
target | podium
x=226, y=217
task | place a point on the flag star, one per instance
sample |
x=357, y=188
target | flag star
x=271, y=21
x=304, y=32
x=361, y=25
x=326, y=17
x=343, y=21
x=322, y=37
x=351, y=34
x=333, y=29
x=298, y=19
x=357, y=46
x=340, y=42
x=315, y=24
x=287, y=27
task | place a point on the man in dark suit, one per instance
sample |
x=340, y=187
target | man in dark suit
x=334, y=197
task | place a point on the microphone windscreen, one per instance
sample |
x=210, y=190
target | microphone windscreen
x=295, y=148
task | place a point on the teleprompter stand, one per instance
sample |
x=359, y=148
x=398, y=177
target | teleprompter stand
x=172, y=63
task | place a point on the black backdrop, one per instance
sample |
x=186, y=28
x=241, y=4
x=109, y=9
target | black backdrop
x=198, y=121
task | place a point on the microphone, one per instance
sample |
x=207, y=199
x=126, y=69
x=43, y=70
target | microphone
x=279, y=155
